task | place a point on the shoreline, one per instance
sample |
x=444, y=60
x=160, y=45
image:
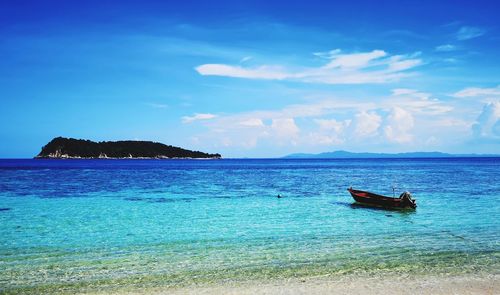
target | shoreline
x=124, y=158
x=349, y=284
x=375, y=283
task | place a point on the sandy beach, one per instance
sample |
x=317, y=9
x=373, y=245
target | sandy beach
x=488, y=284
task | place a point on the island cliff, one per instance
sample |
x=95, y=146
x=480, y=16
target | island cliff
x=70, y=148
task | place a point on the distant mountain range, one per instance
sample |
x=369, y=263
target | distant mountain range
x=70, y=148
x=349, y=155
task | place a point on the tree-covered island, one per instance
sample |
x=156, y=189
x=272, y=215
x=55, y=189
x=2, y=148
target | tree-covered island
x=70, y=148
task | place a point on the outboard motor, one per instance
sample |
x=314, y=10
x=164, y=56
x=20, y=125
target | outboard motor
x=407, y=200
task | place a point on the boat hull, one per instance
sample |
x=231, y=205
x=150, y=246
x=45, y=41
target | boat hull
x=371, y=199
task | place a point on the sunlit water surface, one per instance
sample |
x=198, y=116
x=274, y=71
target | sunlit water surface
x=87, y=224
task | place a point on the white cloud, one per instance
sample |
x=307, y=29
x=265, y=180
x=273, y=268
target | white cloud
x=395, y=120
x=402, y=91
x=354, y=68
x=425, y=107
x=488, y=123
x=330, y=132
x=252, y=122
x=247, y=129
x=398, y=126
x=466, y=33
x=353, y=60
x=329, y=54
x=416, y=102
x=366, y=124
x=453, y=122
x=410, y=92
x=318, y=138
x=400, y=63
x=332, y=124
x=477, y=92
x=285, y=128
x=197, y=117
x=446, y=48
x=262, y=72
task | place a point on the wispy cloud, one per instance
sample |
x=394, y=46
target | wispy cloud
x=246, y=58
x=197, y=117
x=446, y=48
x=157, y=105
x=417, y=102
x=252, y=122
x=262, y=72
x=375, y=66
x=466, y=33
x=404, y=33
x=478, y=92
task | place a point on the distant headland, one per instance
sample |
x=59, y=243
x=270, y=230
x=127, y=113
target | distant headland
x=350, y=155
x=70, y=148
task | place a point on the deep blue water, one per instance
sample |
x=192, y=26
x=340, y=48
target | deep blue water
x=99, y=223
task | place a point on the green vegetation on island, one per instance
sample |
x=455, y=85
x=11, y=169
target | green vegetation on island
x=70, y=148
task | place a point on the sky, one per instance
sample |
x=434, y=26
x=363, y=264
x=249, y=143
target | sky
x=252, y=78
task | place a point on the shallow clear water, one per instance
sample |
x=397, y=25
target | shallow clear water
x=88, y=224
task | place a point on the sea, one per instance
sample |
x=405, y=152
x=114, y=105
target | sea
x=99, y=225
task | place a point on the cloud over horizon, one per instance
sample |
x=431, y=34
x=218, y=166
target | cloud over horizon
x=394, y=121
x=487, y=125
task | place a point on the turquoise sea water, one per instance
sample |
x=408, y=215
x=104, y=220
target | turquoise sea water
x=99, y=224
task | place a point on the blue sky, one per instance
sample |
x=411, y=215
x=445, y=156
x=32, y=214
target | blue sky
x=252, y=79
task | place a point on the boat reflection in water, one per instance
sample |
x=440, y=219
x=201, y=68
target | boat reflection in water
x=405, y=200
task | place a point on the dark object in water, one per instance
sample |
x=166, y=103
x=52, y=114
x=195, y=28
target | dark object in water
x=4, y=209
x=404, y=201
x=279, y=196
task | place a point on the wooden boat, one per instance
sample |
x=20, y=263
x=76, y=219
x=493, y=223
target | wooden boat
x=404, y=201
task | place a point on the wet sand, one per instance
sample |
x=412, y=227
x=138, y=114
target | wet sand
x=489, y=284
